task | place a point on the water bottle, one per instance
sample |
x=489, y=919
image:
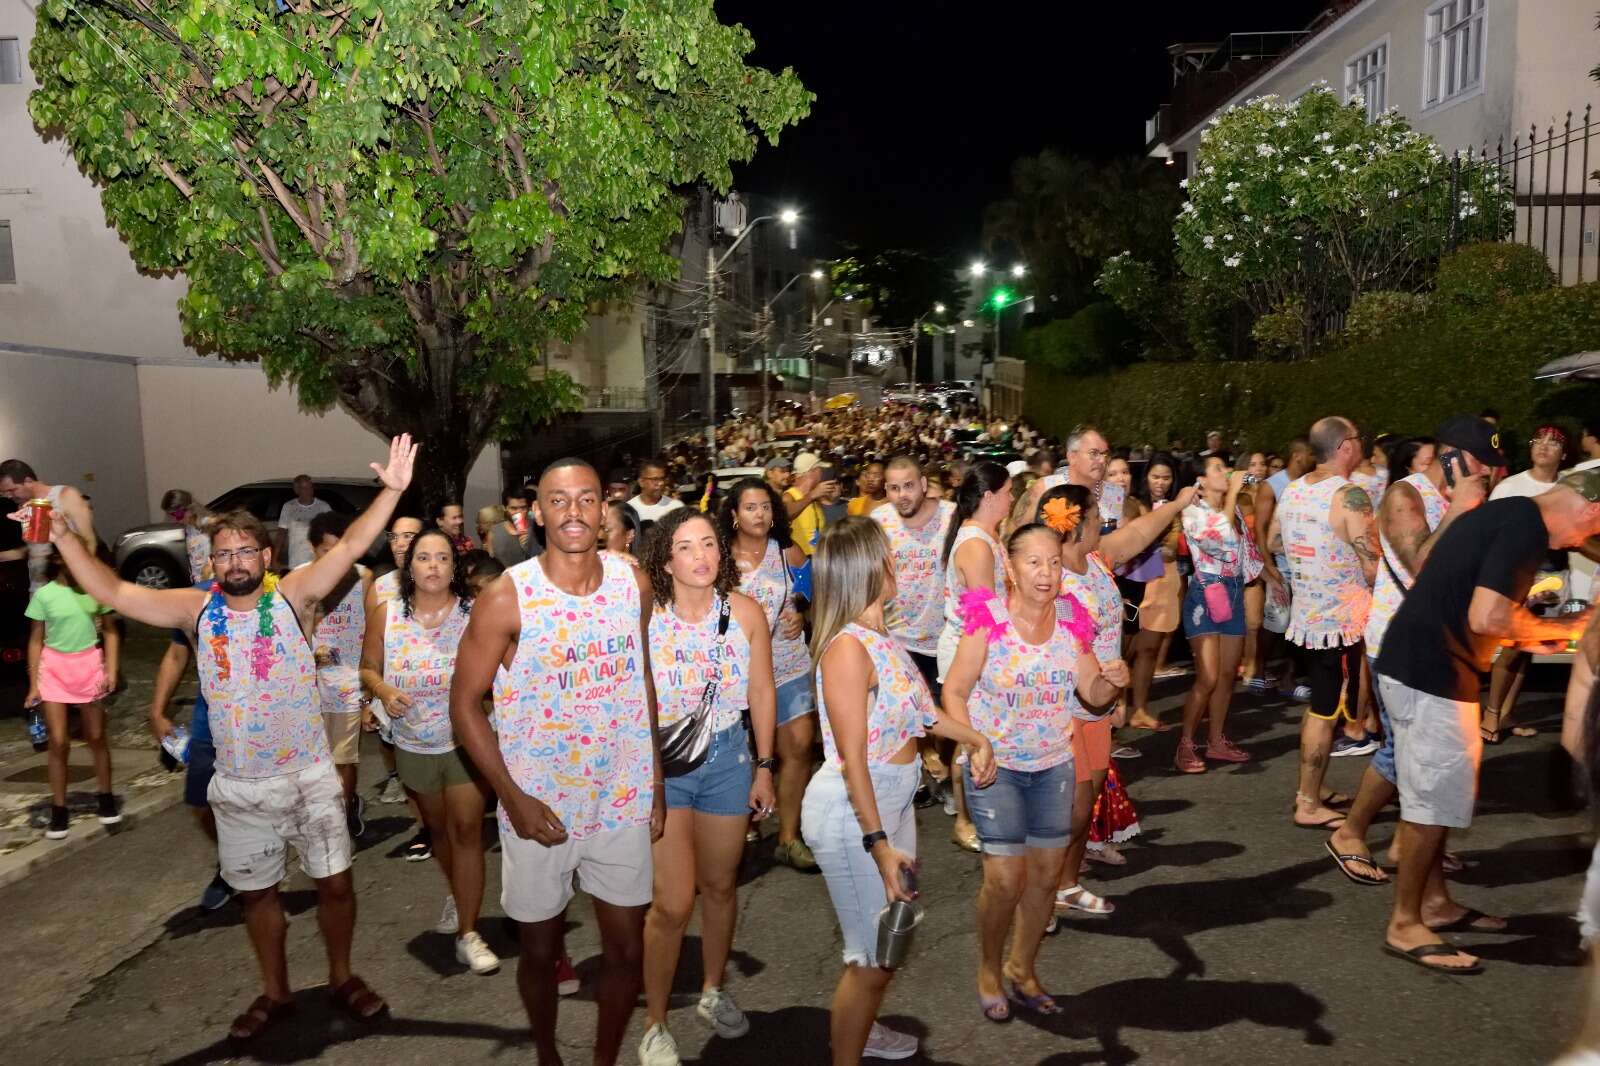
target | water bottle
x=176, y=744
x=38, y=732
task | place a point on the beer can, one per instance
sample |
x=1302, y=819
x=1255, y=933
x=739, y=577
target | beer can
x=37, y=528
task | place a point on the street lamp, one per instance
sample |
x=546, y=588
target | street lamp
x=916, y=335
x=788, y=216
x=1018, y=270
x=978, y=269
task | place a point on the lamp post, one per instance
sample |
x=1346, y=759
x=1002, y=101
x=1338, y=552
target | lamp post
x=766, y=326
x=789, y=216
x=916, y=335
x=816, y=314
x=1002, y=297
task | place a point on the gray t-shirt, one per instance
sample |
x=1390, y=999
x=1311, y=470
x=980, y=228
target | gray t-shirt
x=295, y=521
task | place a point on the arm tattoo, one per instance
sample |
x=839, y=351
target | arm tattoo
x=1357, y=500
x=1363, y=549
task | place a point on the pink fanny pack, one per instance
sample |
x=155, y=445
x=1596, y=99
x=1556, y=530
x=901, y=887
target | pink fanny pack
x=1218, y=604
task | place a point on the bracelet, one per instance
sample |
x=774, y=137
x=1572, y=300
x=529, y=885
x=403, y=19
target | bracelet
x=766, y=764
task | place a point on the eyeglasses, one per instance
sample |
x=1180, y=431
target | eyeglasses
x=1552, y=441
x=244, y=555
x=1096, y=453
x=400, y=537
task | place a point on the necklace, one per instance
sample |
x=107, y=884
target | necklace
x=261, y=646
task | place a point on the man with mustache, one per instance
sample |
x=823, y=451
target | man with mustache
x=573, y=755
x=275, y=781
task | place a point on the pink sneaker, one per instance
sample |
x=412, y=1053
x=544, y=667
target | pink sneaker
x=1224, y=750
x=1187, y=761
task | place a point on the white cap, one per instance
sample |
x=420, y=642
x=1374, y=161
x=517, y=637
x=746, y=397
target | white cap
x=1016, y=467
x=805, y=461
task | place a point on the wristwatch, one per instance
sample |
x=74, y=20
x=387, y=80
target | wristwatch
x=868, y=840
x=766, y=764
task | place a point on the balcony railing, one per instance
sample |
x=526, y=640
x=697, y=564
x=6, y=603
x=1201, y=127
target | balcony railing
x=613, y=398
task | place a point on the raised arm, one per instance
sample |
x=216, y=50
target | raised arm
x=167, y=608
x=321, y=577
x=1123, y=544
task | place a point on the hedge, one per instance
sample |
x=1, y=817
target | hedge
x=1406, y=380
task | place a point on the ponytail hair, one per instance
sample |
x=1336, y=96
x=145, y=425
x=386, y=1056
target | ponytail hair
x=984, y=477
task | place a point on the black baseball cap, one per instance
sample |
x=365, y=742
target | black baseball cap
x=1475, y=436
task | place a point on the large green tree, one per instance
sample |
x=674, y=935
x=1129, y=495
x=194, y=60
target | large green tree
x=396, y=204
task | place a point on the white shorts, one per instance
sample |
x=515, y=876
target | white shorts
x=258, y=820
x=1437, y=750
x=536, y=881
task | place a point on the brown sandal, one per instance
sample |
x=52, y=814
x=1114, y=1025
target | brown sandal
x=357, y=1000
x=259, y=1016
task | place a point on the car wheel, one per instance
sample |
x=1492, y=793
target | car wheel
x=153, y=570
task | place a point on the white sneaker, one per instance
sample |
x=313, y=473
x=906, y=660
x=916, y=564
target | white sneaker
x=949, y=801
x=449, y=921
x=392, y=791
x=718, y=1008
x=658, y=1048
x=471, y=950
x=885, y=1043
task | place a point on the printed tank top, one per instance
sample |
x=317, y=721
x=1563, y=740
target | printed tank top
x=197, y=546
x=685, y=656
x=1096, y=590
x=769, y=585
x=1386, y=594
x=337, y=638
x=260, y=684
x=916, y=614
x=1022, y=701
x=952, y=575
x=386, y=588
x=573, y=722
x=1331, y=595
x=900, y=706
x=420, y=662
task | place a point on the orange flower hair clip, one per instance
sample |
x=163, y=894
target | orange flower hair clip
x=1061, y=516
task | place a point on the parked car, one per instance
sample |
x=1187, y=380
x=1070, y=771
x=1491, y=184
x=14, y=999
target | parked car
x=901, y=394
x=153, y=555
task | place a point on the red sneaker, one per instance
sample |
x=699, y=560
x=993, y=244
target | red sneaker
x=1187, y=761
x=566, y=977
x=1224, y=750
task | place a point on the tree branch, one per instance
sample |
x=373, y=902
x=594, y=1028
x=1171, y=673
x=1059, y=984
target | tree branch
x=292, y=207
x=159, y=29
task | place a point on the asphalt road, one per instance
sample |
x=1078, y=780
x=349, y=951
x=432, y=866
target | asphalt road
x=1236, y=940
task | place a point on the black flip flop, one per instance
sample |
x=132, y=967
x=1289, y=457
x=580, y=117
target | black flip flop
x=1432, y=951
x=1360, y=879
x=1327, y=824
x=1464, y=924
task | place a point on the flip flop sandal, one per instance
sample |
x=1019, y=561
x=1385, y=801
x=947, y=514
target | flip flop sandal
x=1327, y=823
x=997, y=1009
x=357, y=1000
x=1113, y=858
x=1454, y=864
x=260, y=1016
x=1082, y=900
x=1524, y=731
x=1467, y=923
x=1336, y=799
x=1342, y=860
x=1043, y=1003
x=1416, y=956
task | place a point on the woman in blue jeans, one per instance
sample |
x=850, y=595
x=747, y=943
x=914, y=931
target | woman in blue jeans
x=1018, y=670
x=710, y=653
x=858, y=816
x=1225, y=561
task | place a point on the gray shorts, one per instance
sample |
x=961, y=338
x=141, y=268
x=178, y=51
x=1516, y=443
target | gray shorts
x=1437, y=749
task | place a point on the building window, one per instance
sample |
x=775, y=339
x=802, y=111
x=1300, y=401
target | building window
x=1368, y=75
x=1453, y=60
x=10, y=61
x=8, y=264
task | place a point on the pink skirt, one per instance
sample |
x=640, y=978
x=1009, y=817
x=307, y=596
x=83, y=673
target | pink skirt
x=71, y=677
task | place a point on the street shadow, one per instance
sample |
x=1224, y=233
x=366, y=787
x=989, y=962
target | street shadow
x=381, y=831
x=1159, y=1005
x=192, y=920
x=1524, y=776
x=1536, y=859
x=686, y=982
x=1168, y=914
x=1146, y=854
x=437, y=951
x=1547, y=939
x=317, y=1026
x=796, y=1035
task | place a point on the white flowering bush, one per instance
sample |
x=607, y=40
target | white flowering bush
x=1300, y=206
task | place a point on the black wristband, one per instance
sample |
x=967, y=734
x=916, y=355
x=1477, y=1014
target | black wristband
x=869, y=839
x=766, y=764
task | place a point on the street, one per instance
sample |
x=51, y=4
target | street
x=1235, y=939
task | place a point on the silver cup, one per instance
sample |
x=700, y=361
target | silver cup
x=896, y=924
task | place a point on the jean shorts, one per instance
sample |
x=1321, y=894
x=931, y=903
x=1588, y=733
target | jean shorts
x=1024, y=809
x=1197, y=620
x=1383, y=758
x=796, y=699
x=721, y=784
x=833, y=834
x=197, y=774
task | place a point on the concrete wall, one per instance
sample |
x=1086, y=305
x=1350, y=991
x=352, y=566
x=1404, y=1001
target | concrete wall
x=77, y=422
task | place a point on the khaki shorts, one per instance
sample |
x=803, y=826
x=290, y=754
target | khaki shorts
x=536, y=881
x=344, y=736
x=1437, y=751
x=257, y=820
x=428, y=774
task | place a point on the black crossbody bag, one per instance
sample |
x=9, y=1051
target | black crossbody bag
x=686, y=742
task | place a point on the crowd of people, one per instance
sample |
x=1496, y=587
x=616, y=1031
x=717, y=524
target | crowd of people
x=634, y=671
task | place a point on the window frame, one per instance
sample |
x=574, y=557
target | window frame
x=1479, y=18
x=8, y=245
x=1353, y=85
x=22, y=61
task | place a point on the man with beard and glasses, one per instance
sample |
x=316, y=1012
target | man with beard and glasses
x=275, y=781
x=573, y=756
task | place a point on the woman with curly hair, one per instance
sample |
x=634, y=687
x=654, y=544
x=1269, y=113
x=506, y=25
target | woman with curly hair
x=710, y=655
x=408, y=658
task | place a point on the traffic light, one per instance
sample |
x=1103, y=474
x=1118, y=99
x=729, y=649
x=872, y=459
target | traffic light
x=1001, y=299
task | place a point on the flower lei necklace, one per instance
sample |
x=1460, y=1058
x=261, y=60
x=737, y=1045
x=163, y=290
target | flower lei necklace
x=260, y=645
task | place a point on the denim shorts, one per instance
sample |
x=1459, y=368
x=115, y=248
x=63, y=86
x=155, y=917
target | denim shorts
x=197, y=774
x=796, y=699
x=833, y=834
x=1024, y=809
x=1197, y=620
x=1383, y=758
x=721, y=784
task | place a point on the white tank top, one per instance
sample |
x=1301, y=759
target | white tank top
x=953, y=587
x=420, y=662
x=916, y=614
x=769, y=585
x=1023, y=699
x=899, y=708
x=1331, y=595
x=687, y=656
x=1386, y=594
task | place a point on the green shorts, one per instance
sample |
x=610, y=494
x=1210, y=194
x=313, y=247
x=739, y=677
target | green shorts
x=433, y=773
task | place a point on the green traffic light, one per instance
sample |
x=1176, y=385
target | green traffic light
x=1001, y=298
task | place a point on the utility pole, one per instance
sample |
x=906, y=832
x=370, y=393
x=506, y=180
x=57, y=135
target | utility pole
x=711, y=354
x=766, y=388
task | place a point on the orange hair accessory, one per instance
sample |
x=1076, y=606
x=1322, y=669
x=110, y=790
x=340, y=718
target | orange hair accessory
x=1061, y=516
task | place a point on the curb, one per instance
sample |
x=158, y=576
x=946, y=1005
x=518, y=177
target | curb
x=31, y=857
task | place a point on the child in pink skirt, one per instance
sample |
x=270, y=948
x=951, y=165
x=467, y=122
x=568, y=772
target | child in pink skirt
x=68, y=668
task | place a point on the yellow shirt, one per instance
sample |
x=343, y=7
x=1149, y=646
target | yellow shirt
x=805, y=527
x=863, y=505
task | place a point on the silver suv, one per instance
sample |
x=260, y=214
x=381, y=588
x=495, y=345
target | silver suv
x=154, y=555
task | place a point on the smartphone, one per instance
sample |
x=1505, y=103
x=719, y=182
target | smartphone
x=908, y=881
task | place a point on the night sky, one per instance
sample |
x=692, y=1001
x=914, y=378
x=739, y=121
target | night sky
x=921, y=107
